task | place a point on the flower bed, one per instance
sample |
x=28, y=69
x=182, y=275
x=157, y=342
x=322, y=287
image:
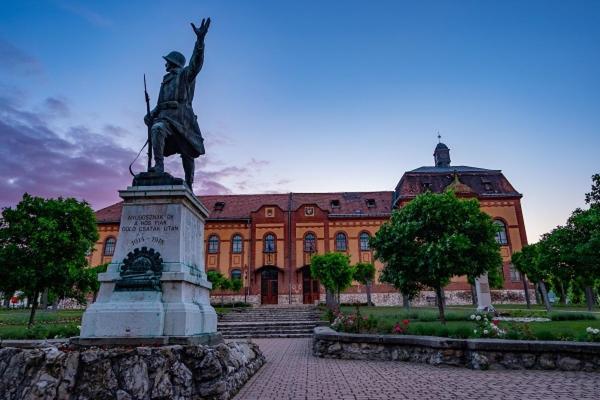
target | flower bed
x=467, y=325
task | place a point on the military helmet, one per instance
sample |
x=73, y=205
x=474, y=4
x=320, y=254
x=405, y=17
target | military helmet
x=176, y=58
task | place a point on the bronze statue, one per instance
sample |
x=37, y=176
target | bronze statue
x=173, y=124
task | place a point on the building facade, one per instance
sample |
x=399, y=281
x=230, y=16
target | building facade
x=267, y=240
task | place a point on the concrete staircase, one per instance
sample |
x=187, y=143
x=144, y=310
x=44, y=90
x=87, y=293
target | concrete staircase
x=270, y=322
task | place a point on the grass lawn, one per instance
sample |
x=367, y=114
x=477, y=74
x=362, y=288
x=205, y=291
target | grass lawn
x=48, y=324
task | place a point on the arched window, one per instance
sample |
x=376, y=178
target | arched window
x=501, y=236
x=236, y=274
x=237, y=244
x=109, y=246
x=269, y=243
x=213, y=244
x=310, y=243
x=364, y=241
x=341, y=242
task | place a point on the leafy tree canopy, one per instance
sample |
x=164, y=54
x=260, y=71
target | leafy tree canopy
x=333, y=270
x=43, y=245
x=436, y=237
x=364, y=272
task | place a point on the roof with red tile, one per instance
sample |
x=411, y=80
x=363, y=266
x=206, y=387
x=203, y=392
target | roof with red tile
x=240, y=206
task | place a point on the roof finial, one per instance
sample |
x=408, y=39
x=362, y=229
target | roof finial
x=439, y=137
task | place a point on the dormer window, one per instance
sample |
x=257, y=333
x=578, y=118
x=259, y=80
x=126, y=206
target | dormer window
x=335, y=204
x=371, y=203
x=487, y=185
x=219, y=206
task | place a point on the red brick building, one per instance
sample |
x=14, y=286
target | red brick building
x=267, y=240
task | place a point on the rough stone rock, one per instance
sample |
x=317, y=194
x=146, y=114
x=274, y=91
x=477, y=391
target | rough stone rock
x=479, y=361
x=156, y=373
x=569, y=364
x=547, y=361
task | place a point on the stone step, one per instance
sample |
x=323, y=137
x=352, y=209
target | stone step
x=267, y=323
x=284, y=335
x=266, y=330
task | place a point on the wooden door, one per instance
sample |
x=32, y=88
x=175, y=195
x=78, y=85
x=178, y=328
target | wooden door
x=310, y=288
x=268, y=286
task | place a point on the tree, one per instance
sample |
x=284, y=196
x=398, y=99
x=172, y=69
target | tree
x=365, y=274
x=527, y=261
x=409, y=289
x=334, y=272
x=593, y=197
x=582, y=251
x=436, y=237
x=43, y=245
x=218, y=281
x=236, y=285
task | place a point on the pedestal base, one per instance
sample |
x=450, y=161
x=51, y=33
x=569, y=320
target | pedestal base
x=165, y=223
x=207, y=339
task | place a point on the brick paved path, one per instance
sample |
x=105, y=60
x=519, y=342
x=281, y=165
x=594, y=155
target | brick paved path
x=291, y=372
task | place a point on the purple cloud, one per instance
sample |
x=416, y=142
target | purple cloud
x=82, y=163
x=57, y=107
x=16, y=60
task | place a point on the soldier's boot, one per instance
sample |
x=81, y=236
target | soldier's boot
x=188, y=168
x=159, y=135
x=159, y=166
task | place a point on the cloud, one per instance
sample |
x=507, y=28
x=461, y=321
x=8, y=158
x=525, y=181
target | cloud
x=80, y=163
x=92, y=165
x=87, y=14
x=17, y=61
x=57, y=107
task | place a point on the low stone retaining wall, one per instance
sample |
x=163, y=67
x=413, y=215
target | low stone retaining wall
x=165, y=372
x=470, y=353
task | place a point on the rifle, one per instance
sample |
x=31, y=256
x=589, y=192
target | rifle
x=149, y=126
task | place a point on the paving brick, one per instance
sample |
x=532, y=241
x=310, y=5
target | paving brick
x=292, y=372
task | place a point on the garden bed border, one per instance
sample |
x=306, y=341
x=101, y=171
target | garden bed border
x=470, y=353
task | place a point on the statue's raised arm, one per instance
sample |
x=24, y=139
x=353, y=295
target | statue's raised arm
x=198, y=55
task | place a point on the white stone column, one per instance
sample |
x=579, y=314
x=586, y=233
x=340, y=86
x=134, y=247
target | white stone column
x=482, y=287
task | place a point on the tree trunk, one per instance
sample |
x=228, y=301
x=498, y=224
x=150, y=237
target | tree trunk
x=44, y=302
x=34, y=305
x=440, y=301
x=526, y=288
x=474, y=295
x=545, y=296
x=329, y=299
x=537, y=291
x=406, y=302
x=563, y=293
x=589, y=297
x=368, y=287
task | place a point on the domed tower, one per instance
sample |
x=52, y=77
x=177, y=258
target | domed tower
x=441, y=155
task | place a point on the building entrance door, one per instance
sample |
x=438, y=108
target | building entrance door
x=268, y=286
x=310, y=287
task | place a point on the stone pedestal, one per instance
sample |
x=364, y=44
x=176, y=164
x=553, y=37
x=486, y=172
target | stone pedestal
x=166, y=222
x=484, y=298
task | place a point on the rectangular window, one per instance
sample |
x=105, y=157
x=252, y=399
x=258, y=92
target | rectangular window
x=515, y=276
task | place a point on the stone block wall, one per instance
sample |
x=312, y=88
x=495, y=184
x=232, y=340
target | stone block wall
x=471, y=353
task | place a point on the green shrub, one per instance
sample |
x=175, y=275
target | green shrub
x=461, y=332
x=440, y=330
x=570, y=316
x=37, y=332
x=545, y=335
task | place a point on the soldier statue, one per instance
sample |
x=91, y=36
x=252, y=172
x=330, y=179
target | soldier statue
x=172, y=123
